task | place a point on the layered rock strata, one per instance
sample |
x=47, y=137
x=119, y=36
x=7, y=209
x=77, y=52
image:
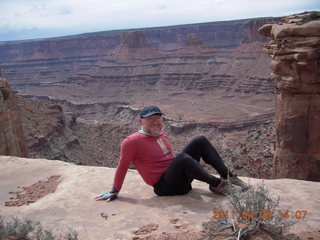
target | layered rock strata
x=295, y=51
x=181, y=81
x=34, y=62
x=193, y=71
x=12, y=141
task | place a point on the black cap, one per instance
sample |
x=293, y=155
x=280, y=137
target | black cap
x=150, y=110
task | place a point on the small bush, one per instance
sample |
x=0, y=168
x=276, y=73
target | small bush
x=310, y=17
x=257, y=209
x=17, y=229
x=250, y=212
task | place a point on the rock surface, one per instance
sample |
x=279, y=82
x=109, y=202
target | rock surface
x=295, y=51
x=137, y=213
x=12, y=141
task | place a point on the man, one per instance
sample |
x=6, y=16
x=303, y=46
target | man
x=151, y=153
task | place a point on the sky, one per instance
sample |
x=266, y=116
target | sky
x=31, y=19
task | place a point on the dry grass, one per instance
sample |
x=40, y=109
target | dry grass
x=251, y=212
x=17, y=229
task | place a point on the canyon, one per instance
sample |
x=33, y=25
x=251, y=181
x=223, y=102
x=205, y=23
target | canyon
x=184, y=69
x=209, y=79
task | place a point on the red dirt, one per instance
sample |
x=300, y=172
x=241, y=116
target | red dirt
x=34, y=192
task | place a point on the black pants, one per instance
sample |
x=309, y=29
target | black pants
x=186, y=166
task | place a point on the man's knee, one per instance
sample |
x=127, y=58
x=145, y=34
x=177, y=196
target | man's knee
x=201, y=139
x=182, y=157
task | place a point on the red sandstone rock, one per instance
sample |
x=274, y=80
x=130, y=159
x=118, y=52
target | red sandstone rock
x=12, y=140
x=295, y=63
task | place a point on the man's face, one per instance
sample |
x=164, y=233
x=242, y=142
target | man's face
x=152, y=124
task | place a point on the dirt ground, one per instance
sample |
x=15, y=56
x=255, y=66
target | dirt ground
x=31, y=194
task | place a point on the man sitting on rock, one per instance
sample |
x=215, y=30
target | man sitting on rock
x=151, y=153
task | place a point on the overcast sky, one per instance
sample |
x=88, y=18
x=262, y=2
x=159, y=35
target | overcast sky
x=29, y=19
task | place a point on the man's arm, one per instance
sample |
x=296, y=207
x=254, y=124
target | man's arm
x=126, y=156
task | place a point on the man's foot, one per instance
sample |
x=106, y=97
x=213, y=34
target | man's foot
x=225, y=188
x=237, y=181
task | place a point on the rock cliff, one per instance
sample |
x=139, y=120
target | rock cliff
x=52, y=133
x=12, y=141
x=28, y=63
x=295, y=51
x=41, y=129
x=49, y=133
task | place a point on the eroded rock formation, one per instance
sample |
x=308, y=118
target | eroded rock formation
x=52, y=133
x=49, y=132
x=12, y=140
x=295, y=51
x=134, y=45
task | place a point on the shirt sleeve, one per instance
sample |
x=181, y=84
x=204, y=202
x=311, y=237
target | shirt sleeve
x=127, y=155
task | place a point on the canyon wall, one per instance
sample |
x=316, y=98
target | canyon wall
x=184, y=69
x=12, y=141
x=295, y=51
x=31, y=62
x=183, y=82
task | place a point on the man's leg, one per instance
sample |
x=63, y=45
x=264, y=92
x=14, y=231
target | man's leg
x=200, y=147
x=179, y=175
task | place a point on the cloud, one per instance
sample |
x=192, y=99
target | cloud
x=78, y=16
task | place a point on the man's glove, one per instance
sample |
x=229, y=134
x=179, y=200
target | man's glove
x=109, y=196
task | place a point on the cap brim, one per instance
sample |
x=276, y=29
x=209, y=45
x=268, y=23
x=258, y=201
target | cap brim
x=151, y=113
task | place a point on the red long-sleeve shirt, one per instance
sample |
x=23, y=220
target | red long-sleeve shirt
x=150, y=155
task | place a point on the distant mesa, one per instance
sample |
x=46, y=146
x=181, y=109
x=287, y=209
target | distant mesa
x=134, y=39
x=134, y=45
x=195, y=45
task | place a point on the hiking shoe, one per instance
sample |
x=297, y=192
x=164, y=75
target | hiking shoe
x=237, y=181
x=225, y=188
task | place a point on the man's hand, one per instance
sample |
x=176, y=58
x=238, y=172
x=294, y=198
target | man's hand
x=109, y=196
